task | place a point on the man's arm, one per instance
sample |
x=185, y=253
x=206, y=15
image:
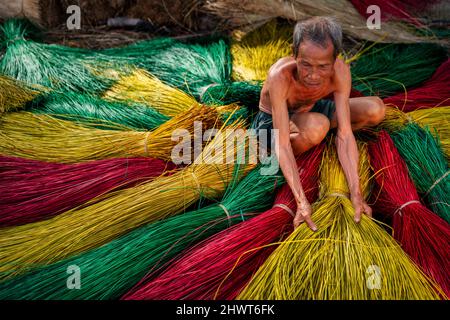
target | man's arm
x=278, y=89
x=347, y=149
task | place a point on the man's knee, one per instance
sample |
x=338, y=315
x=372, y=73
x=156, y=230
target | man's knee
x=376, y=111
x=317, y=128
x=310, y=133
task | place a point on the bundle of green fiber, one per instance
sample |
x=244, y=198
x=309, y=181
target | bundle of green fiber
x=140, y=54
x=78, y=230
x=14, y=95
x=432, y=93
x=78, y=106
x=42, y=137
x=39, y=63
x=244, y=93
x=427, y=166
x=192, y=67
x=387, y=69
x=343, y=259
x=111, y=270
x=437, y=119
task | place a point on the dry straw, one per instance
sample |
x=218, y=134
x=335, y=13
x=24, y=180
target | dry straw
x=253, y=13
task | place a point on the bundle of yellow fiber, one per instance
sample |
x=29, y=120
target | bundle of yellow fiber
x=259, y=50
x=342, y=259
x=438, y=119
x=143, y=87
x=253, y=63
x=80, y=229
x=42, y=137
x=14, y=94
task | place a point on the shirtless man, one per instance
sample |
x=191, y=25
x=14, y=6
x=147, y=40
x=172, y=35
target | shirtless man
x=291, y=102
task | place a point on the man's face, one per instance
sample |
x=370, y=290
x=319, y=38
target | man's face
x=314, y=64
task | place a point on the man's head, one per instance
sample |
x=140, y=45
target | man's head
x=316, y=44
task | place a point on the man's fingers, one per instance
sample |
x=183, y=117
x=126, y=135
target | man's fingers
x=310, y=223
x=358, y=214
x=368, y=210
x=298, y=220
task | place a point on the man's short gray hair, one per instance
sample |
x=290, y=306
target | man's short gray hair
x=318, y=30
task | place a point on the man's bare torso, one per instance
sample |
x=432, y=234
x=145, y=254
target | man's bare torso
x=299, y=97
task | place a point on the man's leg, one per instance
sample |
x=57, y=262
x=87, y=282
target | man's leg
x=307, y=130
x=364, y=112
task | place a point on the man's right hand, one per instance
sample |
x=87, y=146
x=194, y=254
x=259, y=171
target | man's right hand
x=303, y=214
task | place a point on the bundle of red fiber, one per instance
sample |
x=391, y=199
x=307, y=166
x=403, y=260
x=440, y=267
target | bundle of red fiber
x=432, y=93
x=424, y=236
x=392, y=9
x=32, y=190
x=202, y=272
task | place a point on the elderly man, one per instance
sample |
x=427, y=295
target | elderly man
x=291, y=101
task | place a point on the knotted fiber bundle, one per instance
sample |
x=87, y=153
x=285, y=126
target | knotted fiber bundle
x=421, y=233
x=32, y=190
x=437, y=119
x=49, y=65
x=342, y=260
x=42, y=137
x=387, y=69
x=432, y=93
x=41, y=243
x=14, y=95
x=112, y=269
x=199, y=272
x=427, y=166
x=79, y=107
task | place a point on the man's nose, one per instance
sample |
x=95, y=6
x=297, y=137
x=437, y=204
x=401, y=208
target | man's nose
x=314, y=75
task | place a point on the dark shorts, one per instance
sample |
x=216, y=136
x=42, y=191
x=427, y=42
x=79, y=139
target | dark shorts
x=263, y=120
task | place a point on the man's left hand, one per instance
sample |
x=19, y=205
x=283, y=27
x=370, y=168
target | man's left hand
x=342, y=77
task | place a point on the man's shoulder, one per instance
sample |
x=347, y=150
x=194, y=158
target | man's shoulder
x=281, y=71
